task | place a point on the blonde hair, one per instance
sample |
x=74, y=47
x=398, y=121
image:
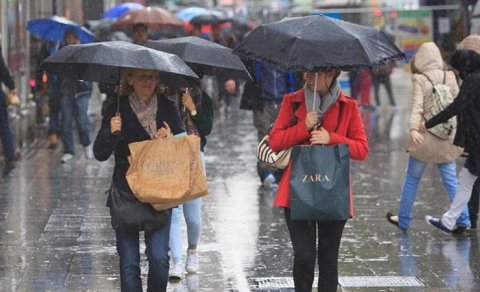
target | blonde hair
x=126, y=88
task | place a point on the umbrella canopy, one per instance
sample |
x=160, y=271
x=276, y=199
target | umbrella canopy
x=319, y=43
x=210, y=17
x=120, y=9
x=104, y=61
x=153, y=17
x=214, y=59
x=188, y=13
x=53, y=29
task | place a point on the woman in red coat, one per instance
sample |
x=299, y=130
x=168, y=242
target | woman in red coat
x=335, y=120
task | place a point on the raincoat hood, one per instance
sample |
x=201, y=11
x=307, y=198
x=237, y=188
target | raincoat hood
x=428, y=58
x=466, y=58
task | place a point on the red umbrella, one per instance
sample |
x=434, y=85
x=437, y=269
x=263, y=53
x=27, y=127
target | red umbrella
x=153, y=17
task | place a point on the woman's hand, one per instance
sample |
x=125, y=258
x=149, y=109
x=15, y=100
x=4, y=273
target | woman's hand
x=187, y=101
x=311, y=120
x=116, y=124
x=320, y=136
x=417, y=137
x=164, y=132
x=422, y=128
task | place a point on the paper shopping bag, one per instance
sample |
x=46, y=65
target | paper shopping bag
x=320, y=183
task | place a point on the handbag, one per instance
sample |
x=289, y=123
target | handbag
x=320, y=183
x=129, y=214
x=278, y=159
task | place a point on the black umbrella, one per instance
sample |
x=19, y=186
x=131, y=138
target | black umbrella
x=104, y=61
x=318, y=43
x=213, y=58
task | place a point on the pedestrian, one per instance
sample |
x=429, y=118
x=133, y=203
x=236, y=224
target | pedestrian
x=466, y=107
x=272, y=85
x=425, y=148
x=142, y=115
x=140, y=33
x=6, y=133
x=381, y=75
x=48, y=83
x=75, y=95
x=336, y=120
x=196, y=110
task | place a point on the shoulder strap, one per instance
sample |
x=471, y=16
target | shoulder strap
x=444, y=76
x=428, y=79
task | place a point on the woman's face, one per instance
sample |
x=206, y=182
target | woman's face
x=143, y=82
x=324, y=79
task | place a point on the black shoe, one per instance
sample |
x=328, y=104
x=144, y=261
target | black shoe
x=436, y=222
x=393, y=219
x=459, y=230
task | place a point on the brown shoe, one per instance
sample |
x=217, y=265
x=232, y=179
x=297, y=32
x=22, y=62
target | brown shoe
x=53, y=141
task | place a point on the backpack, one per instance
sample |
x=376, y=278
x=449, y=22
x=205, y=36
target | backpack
x=442, y=97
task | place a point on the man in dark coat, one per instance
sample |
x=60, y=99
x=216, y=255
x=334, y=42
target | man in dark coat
x=6, y=133
x=466, y=107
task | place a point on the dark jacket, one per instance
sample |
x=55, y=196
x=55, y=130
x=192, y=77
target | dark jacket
x=5, y=77
x=466, y=107
x=204, y=118
x=132, y=131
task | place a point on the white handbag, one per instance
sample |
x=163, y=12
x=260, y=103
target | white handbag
x=278, y=159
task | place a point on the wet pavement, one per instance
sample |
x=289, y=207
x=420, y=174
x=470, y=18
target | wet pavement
x=55, y=232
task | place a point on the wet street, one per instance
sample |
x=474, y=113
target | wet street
x=55, y=232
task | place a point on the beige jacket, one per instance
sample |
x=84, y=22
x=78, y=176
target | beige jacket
x=428, y=61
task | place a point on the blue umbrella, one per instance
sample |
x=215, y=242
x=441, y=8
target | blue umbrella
x=53, y=29
x=119, y=10
x=191, y=12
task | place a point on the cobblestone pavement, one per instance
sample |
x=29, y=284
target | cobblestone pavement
x=55, y=232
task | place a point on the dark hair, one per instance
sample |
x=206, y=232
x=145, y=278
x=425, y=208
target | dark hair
x=139, y=25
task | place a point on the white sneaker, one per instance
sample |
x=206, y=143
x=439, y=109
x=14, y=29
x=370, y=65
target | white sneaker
x=269, y=182
x=191, y=264
x=176, y=271
x=66, y=157
x=88, y=151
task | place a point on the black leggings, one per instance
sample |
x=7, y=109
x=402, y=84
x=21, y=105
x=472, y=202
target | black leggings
x=303, y=235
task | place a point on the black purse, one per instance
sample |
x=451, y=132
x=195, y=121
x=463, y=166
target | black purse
x=129, y=214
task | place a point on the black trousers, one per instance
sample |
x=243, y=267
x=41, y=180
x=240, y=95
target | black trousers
x=473, y=204
x=303, y=235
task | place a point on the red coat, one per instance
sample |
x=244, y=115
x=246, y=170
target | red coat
x=349, y=131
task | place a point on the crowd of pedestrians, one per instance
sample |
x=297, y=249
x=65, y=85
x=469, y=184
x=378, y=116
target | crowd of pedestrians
x=148, y=110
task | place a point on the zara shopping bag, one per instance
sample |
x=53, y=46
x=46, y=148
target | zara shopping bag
x=320, y=183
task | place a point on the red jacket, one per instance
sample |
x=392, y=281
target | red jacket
x=344, y=128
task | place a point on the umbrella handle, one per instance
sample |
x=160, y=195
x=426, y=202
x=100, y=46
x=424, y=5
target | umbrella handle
x=118, y=132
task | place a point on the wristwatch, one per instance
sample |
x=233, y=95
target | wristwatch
x=193, y=113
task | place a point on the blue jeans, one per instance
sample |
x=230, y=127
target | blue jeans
x=6, y=134
x=75, y=107
x=192, y=211
x=410, y=185
x=156, y=249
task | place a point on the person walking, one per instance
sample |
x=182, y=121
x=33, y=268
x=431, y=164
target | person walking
x=271, y=85
x=336, y=120
x=75, y=95
x=427, y=65
x=196, y=110
x=142, y=115
x=6, y=133
x=381, y=75
x=466, y=107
